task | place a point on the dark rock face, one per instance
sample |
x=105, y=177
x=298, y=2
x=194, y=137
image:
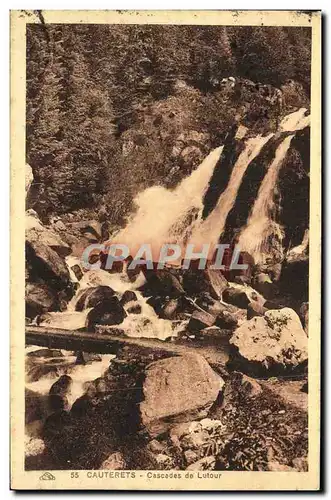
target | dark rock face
x=294, y=278
x=264, y=285
x=170, y=391
x=211, y=281
x=294, y=186
x=47, y=265
x=92, y=296
x=107, y=312
x=163, y=283
x=39, y=299
x=128, y=296
x=84, y=358
x=58, y=393
x=76, y=269
x=135, y=308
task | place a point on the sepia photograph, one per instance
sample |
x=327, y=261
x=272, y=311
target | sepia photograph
x=169, y=249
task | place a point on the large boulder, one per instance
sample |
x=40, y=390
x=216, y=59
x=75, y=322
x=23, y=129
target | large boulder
x=106, y=312
x=162, y=282
x=211, y=281
x=91, y=296
x=171, y=394
x=39, y=299
x=48, y=238
x=128, y=296
x=46, y=264
x=274, y=343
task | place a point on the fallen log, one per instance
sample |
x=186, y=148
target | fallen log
x=85, y=341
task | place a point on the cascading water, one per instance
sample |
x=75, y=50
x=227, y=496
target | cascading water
x=209, y=230
x=256, y=237
x=165, y=216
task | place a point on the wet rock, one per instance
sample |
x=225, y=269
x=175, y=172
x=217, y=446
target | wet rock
x=115, y=461
x=85, y=358
x=170, y=391
x=107, y=312
x=170, y=309
x=128, y=296
x=226, y=320
x=255, y=309
x=76, y=269
x=39, y=299
x=211, y=281
x=36, y=372
x=275, y=342
x=156, y=303
x=134, y=308
x=163, y=283
x=200, y=320
x=92, y=296
x=59, y=392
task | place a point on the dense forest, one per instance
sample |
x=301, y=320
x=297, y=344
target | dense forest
x=113, y=109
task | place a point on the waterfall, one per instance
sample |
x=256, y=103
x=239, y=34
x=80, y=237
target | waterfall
x=209, y=231
x=165, y=216
x=256, y=237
